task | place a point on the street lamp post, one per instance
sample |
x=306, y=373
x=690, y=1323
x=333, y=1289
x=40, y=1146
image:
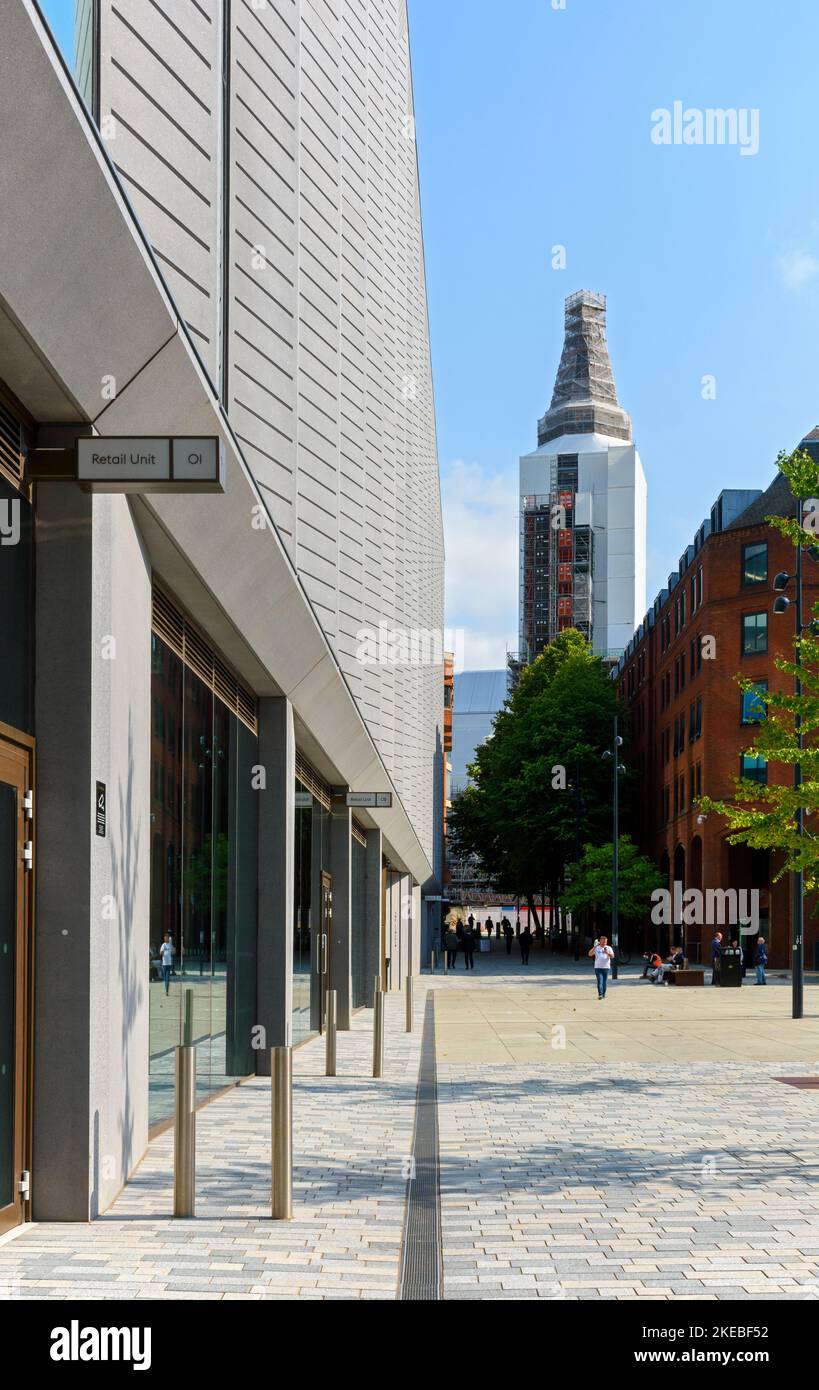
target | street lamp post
x=617, y=769
x=781, y=605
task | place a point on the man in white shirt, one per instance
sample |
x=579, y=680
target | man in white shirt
x=166, y=960
x=603, y=957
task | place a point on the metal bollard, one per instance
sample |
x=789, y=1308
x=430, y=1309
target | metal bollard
x=409, y=1003
x=378, y=1031
x=187, y=1028
x=446, y=962
x=330, y=1040
x=184, y=1137
x=281, y=1145
x=432, y=962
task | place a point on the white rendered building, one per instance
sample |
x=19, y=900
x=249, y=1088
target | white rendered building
x=582, y=502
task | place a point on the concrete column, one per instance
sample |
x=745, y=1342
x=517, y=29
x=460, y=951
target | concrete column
x=418, y=933
x=341, y=945
x=373, y=950
x=277, y=828
x=92, y=909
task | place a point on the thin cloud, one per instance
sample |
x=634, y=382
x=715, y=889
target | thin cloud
x=798, y=268
x=481, y=531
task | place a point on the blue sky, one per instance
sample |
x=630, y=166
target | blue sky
x=534, y=130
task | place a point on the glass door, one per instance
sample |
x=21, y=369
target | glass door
x=14, y=896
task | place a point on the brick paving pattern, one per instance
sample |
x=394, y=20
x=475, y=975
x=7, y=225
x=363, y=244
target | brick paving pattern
x=561, y=1177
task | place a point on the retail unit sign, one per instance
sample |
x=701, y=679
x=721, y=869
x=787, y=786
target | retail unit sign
x=378, y=800
x=100, y=808
x=151, y=464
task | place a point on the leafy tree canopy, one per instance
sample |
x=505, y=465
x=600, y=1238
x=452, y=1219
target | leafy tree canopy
x=590, y=882
x=541, y=771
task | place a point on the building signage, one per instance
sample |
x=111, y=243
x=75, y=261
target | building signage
x=100, y=808
x=303, y=801
x=151, y=464
x=376, y=799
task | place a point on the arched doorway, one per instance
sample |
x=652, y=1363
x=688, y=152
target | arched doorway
x=678, y=930
x=665, y=870
x=694, y=935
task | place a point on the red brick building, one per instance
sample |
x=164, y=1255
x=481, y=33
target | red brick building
x=690, y=722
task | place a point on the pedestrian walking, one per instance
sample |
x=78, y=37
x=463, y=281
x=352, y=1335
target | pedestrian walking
x=517, y=926
x=525, y=945
x=603, y=957
x=510, y=936
x=166, y=960
x=470, y=922
x=716, y=952
x=451, y=943
x=761, y=960
x=468, y=948
x=490, y=927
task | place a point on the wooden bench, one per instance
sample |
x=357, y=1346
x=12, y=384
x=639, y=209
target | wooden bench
x=685, y=977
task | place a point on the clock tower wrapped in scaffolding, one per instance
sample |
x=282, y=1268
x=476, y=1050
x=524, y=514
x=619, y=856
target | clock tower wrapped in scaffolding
x=582, y=502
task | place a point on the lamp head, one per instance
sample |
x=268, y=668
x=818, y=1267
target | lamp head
x=781, y=604
x=781, y=581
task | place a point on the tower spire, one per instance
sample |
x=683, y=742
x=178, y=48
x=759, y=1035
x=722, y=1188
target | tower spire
x=584, y=400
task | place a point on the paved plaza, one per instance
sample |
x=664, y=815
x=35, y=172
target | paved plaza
x=643, y=1148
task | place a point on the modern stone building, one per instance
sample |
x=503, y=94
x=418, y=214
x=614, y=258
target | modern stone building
x=582, y=502
x=204, y=692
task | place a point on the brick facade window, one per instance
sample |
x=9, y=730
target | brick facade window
x=751, y=708
x=753, y=769
x=754, y=633
x=755, y=563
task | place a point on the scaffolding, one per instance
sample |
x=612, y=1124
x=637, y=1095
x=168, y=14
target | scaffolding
x=556, y=562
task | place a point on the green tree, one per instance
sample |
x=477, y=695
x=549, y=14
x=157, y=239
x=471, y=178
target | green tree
x=520, y=816
x=763, y=816
x=589, y=889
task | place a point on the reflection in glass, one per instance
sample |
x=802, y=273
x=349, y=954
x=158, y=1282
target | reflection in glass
x=311, y=936
x=204, y=822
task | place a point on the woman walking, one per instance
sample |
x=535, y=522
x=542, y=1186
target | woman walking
x=468, y=948
x=603, y=957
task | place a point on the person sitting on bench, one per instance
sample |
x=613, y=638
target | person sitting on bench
x=676, y=961
x=654, y=962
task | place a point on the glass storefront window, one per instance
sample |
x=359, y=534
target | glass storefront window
x=310, y=910
x=204, y=827
x=362, y=985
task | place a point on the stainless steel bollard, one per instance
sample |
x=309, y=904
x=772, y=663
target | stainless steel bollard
x=187, y=1027
x=446, y=962
x=432, y=962
x=378, y=1031
x=184, y=1136
x=330, y=1040
x=281, y=1138
x=409, y=1003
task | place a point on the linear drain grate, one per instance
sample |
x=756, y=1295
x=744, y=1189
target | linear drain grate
x=421, y=1264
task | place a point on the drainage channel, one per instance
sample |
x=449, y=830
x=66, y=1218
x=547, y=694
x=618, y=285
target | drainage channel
x=421, y=1258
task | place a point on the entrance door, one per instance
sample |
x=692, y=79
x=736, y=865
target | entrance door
x=14, y=1045
x=325, y=937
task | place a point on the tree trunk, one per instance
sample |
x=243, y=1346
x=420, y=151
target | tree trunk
x=532, y=910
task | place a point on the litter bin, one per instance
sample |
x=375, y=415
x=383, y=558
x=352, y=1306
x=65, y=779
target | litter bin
x=729, y=969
